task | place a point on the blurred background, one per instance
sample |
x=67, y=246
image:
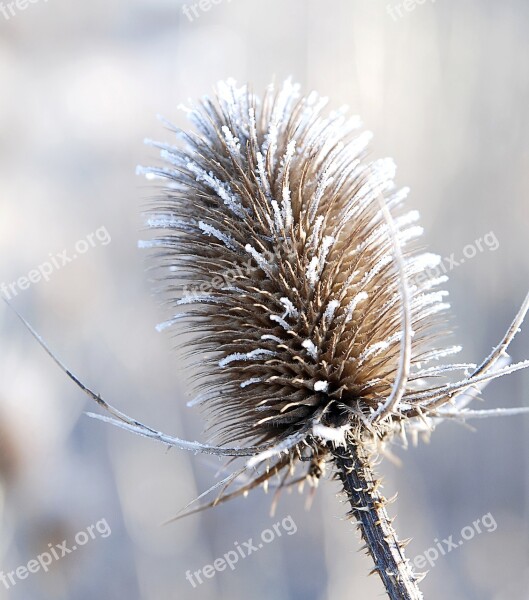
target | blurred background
x=445, y=88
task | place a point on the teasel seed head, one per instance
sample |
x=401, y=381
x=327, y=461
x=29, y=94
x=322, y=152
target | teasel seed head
x=292, y=259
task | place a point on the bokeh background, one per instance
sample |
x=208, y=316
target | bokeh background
x=444, y=87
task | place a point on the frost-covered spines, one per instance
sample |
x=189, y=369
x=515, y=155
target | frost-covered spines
x=273, y=219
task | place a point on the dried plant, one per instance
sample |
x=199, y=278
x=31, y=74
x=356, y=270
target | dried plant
x=320, y=336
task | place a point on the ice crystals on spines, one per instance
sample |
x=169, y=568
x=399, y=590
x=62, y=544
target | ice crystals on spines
x=324, y=182
x=251, y=381
x=286, y=205
x=382, y=177
x=216, y=233
x=280, y=321
x=166, y=221
x=381, y=230
x=328, y=315
x=261, y=261
x=236, y=103
x=262, y=176
x=151, y=173
x=284, y=99
x=422, y=300
x=271, y=337
x=434, y=282
x=432, y=310
x=285, y=161
x=170, y=322
x=256, y=354
x=441, y=369
x=279, y=224
x=409, y=234
x=375, y=270
x=321, y=386
x=378, y=347
x=436, y=354
x=158, y=243
x=222, y=189
x=197, y=117
x=313, y=240
x=232, y=143
x=198, y=299
x=351, y=307
x=290, y=309
x=311, y=349
x=317, y=263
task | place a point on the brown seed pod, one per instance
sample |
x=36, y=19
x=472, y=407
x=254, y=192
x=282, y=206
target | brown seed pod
x=293, y=259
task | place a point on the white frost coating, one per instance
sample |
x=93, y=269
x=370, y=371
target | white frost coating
x=427, y=299
x=424, y=261
x=198, y=399
x=278, y=216
x=360, y=297
x=222, y=189
x=285, y=160
x=331, y=434
x=287, y=206
x=330, y=310
x=385, y=260
x=232, y=142
x=310, y=348
x=166, y=324
x=434, y=282
x=149, y=173
x=438, y=354
x=312, y=271
x=321, y=386
x=222, y=237
x=253, y=125
x=263, y=175
x=314, y=238
x=273, y=338
x=254, y=354
x=251, y=381
x=281, y=322
x=162, y=221
x=409, y=234
x=259, y=259
x=153, y=243
x=290, y=309
x=323, y=184
x=438, y=370
x=317, y=263
x=433, y=310
x=326, y=244
x=379, y=347
x=197, y=299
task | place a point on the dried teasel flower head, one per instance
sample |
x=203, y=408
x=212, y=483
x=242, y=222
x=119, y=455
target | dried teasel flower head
x=292, y=258
x=316, y=319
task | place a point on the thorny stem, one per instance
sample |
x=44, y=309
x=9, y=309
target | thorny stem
x=368, y=508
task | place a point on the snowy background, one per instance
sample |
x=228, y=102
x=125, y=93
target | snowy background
x=445, y=89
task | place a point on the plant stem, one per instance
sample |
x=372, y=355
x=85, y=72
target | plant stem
x=368, y=507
